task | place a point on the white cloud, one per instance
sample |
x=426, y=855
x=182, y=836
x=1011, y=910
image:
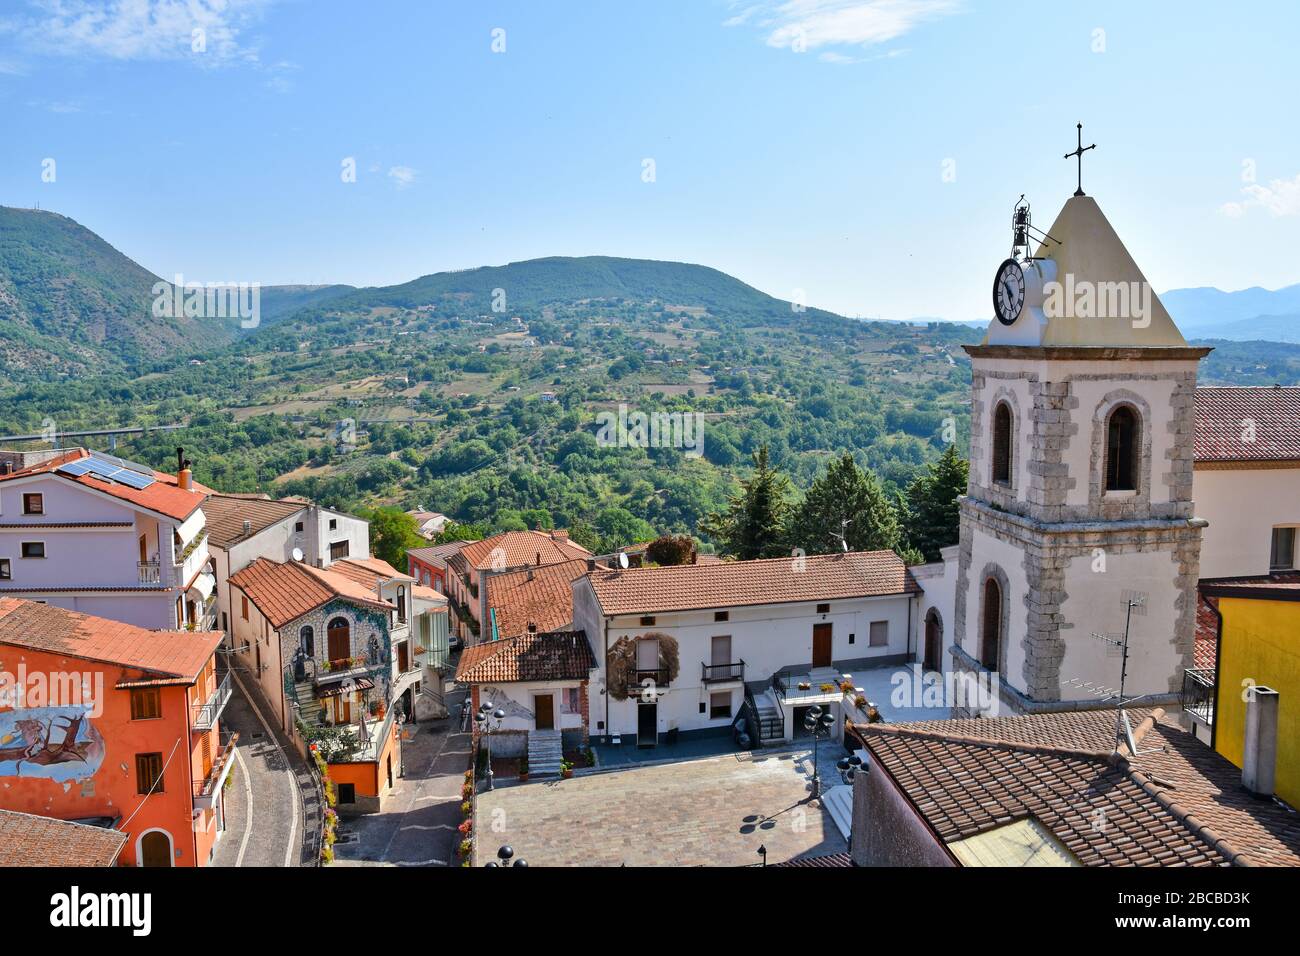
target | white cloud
x=143, y=29
x=1281, y=197
x=809, y=24
x=402, y=176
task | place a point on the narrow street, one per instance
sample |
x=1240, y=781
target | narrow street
x=264, y=808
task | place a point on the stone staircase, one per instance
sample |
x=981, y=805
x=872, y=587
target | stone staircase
x=771, y=720
x=545, y=751
x=838, y=801
x=309, y=707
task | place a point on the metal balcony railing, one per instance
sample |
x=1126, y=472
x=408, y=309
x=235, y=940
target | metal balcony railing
x=716, y=673
x=1199, y=692
x=207, y=789
x=655, y=676
x=207, y=713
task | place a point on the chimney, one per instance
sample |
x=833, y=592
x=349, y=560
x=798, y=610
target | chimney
x=248, y=527
x=530, y=574
x=6, y=468
x=532, y=628
x=591, y=564
x=184, y=477
x=1259, y=760
x=537, y=560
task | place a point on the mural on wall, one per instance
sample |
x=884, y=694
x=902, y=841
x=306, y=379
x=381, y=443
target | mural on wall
x=56, y=743
x=500, y=700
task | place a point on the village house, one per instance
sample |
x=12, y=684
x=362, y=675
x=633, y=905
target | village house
x=680, y=650
x=30, y=840
x=107, y=723
x=1057, y=790
x=320, y=646
x=93, y=533
x=429, y=565
x=429, y=524
x=531, y=599
x=243, y=528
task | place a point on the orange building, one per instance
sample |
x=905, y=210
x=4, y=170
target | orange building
x=114, y=725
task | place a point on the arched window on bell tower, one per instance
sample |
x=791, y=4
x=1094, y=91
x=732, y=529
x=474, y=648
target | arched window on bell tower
x=991, y=630
x=1002, y=444
x=1122, y=434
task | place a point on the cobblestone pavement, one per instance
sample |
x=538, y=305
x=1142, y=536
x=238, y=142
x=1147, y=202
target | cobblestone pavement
x=264, y=809
x=709, y=812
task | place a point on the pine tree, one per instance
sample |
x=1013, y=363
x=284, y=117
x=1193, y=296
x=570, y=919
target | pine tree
x=845, y=493
x=753, y=525
x=932, y=520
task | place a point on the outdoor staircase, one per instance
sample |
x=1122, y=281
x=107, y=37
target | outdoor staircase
x=545, y=751
x=771, y=720
x=309, y=707
x=838, y=801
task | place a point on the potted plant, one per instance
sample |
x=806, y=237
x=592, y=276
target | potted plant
x=804, y=685
x=566, y=769
x=859, y=701
x=827, y=688
x=846, y=686
x=523, y=768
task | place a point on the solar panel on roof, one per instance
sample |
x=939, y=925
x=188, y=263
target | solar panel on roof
x=74, y=468
x=107, y=468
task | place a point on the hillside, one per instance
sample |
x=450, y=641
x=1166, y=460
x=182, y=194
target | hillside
x=71, y=304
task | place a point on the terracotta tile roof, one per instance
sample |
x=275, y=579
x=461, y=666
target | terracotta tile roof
x=162, y=497
x=30, y=840
x=1278, y=586
x=437, y=554
x=1178, y=802
x=285, y=591
x=43, y=627
x=518, y=548
x=555, y=655
x=422, y=593
x=1224, y=415
x=541, y=596
x=824, y=577
x=827, y=861
x=1205, y=648
x=368, y=572
x=226, y=515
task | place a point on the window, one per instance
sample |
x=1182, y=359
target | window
x=149, y=773
x=307, y=641
x=647, y=655
x=146, y=703
x=1282, y=556
x=347, y=792
x=1002, y=444
x=1121, y=449
x=570, y=701
x=647, y=622
x=879, y=634
x=722, y=615
x=992, y=631
x=823, y=609
x=243, y=606
x=6, y=572
x=33, y=504
x=339, y=635
x=334, y=524
x=338, y=549
x=719, y=706
x=33, y=549
x=401, y=604
x=297, y=527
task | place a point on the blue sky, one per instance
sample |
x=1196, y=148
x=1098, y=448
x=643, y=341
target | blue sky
x=797, y=145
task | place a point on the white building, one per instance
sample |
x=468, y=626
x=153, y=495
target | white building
x=92, y=533
x=680, y=649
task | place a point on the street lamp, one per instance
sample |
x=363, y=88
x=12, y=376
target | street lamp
x=488, y=720
x=848, y=768
x=401, y=746
x=504, y=854
x=819, y=723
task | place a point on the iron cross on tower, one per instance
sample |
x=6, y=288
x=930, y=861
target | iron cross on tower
x=1078, y=154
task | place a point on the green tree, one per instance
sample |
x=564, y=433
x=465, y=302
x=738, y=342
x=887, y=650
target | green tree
x=392, y=532
x=932, y=515
x=845, y=500
x=753, y=526
x=670, y=549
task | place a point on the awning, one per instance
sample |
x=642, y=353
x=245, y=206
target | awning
x=205, y=584
x=334, y=690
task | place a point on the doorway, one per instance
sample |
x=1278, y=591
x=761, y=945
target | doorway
x=155, y=849
x=821, y=645
x=933, y=641
x=647, y=725
x=544, y=712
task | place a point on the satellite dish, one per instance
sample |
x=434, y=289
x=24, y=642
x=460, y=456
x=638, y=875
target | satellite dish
x=622, y=560
x=297, y=554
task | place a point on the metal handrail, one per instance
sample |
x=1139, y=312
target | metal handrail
x=1198, y=695
x=723, y=672
x=206, y=714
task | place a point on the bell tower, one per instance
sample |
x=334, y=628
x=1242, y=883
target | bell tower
x=1080, y=492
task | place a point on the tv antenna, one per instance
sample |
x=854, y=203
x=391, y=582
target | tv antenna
x=1123, y=725
x=844, y=541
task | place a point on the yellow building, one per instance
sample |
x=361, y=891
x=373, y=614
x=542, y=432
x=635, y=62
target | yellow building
x=1258, y=645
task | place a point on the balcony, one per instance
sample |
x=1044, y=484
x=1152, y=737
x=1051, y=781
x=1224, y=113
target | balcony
x=208, y=790
x=719, y=673
x=207, y=714
x=148, y=572
x=1199, y=693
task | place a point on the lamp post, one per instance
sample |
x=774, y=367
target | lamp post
x=819, y=723
x=504, y=856
x=488, y=720
x=401, y=745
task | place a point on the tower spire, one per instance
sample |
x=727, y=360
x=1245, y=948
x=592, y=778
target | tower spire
x=1078, y=154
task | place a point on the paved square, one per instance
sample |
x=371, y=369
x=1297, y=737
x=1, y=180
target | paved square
x=709, y=812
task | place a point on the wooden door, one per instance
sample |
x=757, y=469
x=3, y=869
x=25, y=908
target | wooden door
x=403, y=657
x=647, y=725
x=144, y=549
x=932, y=642
x=155, y=849
x=544, y=712
x=821, y=645
x=340, y=640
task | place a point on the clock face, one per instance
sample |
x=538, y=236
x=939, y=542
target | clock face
x=1008, y=292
